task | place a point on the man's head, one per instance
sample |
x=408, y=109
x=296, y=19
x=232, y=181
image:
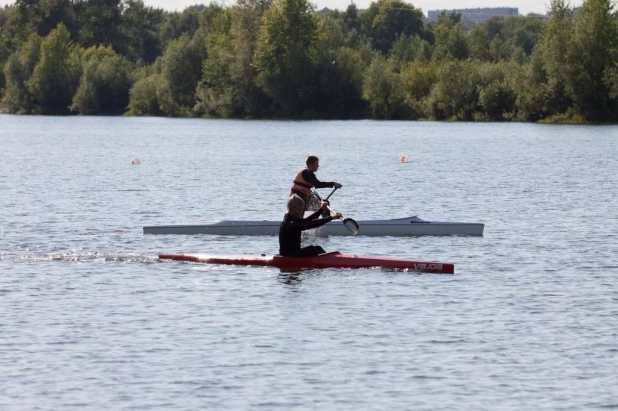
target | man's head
x=296, y=206
x=312, y=163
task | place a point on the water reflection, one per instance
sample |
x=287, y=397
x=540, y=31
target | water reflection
x=290, y=276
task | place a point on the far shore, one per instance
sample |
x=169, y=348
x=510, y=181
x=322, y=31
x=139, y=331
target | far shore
x=554, y=120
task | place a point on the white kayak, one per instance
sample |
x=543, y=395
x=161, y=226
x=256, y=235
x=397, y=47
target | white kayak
x=410, y=226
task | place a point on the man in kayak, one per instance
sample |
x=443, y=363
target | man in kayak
x=294, y=224
x=305, y=180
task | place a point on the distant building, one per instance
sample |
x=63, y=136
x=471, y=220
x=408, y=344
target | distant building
x=477, y=15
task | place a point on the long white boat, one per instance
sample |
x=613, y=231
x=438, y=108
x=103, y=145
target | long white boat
x=409, y=226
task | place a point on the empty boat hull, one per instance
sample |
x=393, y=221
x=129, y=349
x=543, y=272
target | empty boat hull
x=410, y=226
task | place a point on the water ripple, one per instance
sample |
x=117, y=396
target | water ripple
x=92, y=320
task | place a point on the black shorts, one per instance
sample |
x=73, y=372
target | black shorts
x=309, y=251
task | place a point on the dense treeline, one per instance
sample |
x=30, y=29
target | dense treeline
x=283, y=59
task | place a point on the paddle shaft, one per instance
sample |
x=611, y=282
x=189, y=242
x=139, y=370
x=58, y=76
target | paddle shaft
x=315, y=193
x=333, y=212
x=320, y=198
x=346, y=221
x=331, y=193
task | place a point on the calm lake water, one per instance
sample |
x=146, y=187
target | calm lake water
x=90, y=320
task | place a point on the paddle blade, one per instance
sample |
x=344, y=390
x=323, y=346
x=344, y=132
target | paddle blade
x=351, y=225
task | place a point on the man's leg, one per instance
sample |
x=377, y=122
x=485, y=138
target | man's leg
x=310, y=251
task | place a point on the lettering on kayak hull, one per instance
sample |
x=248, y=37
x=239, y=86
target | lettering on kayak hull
x=424, y=266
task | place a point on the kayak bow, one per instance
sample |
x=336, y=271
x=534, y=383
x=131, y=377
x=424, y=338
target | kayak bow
x=328, y=260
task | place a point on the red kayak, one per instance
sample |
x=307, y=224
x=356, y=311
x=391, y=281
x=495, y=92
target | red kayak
x=328, y=260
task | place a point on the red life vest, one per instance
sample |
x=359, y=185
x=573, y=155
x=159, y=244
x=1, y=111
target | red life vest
x=301, y=185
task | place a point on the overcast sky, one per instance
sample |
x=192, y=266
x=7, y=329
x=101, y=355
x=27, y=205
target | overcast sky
x=524, y=6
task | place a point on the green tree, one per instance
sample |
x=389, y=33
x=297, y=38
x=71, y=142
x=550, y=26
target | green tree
x=42, y=16
x=104, y=85
x=140, y=40
x=217, y=93
x=9, y=41
x=593, y=49
x=244, y=31
x=386, y=20
x=503, y=38
x=337, y=90
x=229, y=78
x=417, y=81
x=17, y=72
x=526, y=32
x=611, y=81
x=450, y=41
x=408, y=49
x=5, y=45
x=455, y=94
x=56, y=75
x=143, y=100
x=552, y=51
x=350, y=17
x=181, y=71
x=381, y=89
x=178, y=23
x=283, y=56
x=496, y=94
x=334, y=85
x=2, y=80
x=99, y=22
x=207, y=17
x=5, y=13
x=533, y=91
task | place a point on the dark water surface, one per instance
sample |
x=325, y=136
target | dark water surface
x=90, y=320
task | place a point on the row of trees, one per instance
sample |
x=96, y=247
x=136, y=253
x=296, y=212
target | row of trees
x=281, y=58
